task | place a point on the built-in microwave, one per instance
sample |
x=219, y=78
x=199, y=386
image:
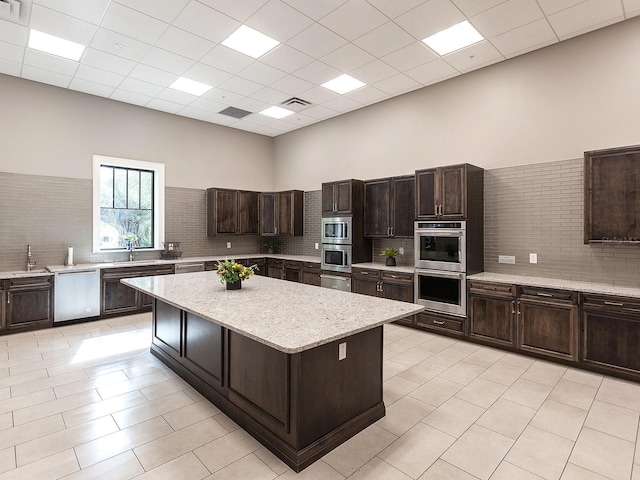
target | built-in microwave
x=337, y=230
x=441, y=246
x=441, y=291
x=336, y=258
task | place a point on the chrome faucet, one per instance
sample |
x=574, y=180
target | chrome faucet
x=30, y=263
x=132, y=255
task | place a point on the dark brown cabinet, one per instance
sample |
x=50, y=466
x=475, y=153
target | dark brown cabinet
x=343, y=197
x=384, y=283
x=311, y=273
x=232, y=212
x=440, y=323
x=492, y=313
x=292, y=271
x=275, y=268
x=282, y=213
x=449, y=192
x=389, y=207
x=27, y=303
x=259, y=262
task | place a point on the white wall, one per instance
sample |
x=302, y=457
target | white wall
x=551, y=104
x=51, y=131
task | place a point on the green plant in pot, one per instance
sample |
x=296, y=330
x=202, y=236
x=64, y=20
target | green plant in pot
x=270, y=245
x=390, y=253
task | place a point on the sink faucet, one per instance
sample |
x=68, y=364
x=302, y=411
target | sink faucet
x=132, y=255
x=30, y=263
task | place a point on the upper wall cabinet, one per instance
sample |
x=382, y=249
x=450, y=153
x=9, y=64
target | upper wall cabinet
x=612, y=195
x=389, y=207
x=232, y=212
x=342, y=198
x=282, y=213
x=447, y=192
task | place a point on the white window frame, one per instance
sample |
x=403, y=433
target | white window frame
x=158, y=198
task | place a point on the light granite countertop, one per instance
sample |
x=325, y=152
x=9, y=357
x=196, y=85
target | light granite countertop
x=23, y=273
x=382, y=266
x=290, y=317
x=574, y=285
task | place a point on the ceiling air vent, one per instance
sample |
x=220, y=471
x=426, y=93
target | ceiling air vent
x=235, y=112
x=295, y=101
x=17, y=11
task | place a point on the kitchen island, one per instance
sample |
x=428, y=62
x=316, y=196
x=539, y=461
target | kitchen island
x=299, y=367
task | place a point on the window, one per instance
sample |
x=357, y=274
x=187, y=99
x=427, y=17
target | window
x=128, y=204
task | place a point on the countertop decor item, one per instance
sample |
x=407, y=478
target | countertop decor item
x=270, y=245
x=390, y=253
x=231, y=273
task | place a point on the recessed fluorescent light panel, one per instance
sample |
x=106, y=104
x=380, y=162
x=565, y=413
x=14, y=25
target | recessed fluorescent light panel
x=250, y=42
x=190, y=86
x=276, y=112
x=453, y=38
x=55, y=45
x=343, y=84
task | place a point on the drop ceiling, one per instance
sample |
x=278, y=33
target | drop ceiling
x=137, y=48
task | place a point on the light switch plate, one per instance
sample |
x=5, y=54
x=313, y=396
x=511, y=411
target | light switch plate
x=533, y=258
x=401, y=250
x=507, y=259
x=342, y=351
x=317, y=246
x=228, y=244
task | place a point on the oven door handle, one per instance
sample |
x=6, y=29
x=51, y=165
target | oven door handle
x=440, y=273
x=439, y=233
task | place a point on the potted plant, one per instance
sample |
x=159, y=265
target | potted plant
x=232, y=273
x=270, y=245
x=390, y=253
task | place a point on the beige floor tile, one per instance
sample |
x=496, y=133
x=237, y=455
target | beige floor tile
x=21, y=357
x=185, y=467
x=29, y=414
x=228, y=424
x=249, y=467
x=507, y=418
x=403, y=415
x=317, y=471
x=225, y=450
x=410, y=341
x=545, y=373
x=417, y=450
x=114, y=365
x=391, y=368
x=620, y=392
x=411, y=357
x=145, y=369
x=116, y=389
x=478, y=451
x=436, y=345
x=376, y=469
x=462, y=372
x=574, y=472
x=603, y=454
x=527, y=393
x=271, y=461
x=397, y=387
x=466, y=347
x=614, y=420
x=24, y=401
x=503, y=373
x=573, y=393
x=7, y=459
x=508, y=471
x=6, y=421
x=422, y=372
x=49, y=382
x=190, y=414
x=98, y=409
x=359, y=449
x=436, y=391
x=454, y=416
x=481, y=392
x=636, y=472
x=540, y=452
x=518, y=360
x=447, y=357
x=164, y=388
x=89, y=384
x=20, y=378
x=584, y=377
x=151, y=409
x=485, y=356
x=120, y=467
x=5, y=393
x=442, y=470
x=31, y=431
x=178, y=443
x=54, y=466
x=560, y=419
x=49, y=364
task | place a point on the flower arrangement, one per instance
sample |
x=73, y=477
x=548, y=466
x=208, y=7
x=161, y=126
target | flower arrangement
x=231, y=272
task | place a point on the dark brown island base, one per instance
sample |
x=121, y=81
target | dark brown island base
x=297, y=366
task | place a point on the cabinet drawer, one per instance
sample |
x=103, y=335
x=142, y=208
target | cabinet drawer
x=536, y=293
x=292, y=264
x=311, y=266
x=30, y=283
x=494, y=289
x=440, y=322
x=388, y=276
x=364, y=273
x=611, y=304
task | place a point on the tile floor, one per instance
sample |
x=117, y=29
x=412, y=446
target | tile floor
x=90, y=401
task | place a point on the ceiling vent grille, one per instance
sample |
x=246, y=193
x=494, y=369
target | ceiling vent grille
x=235, y=112
x=17, y=11
x=294, y=101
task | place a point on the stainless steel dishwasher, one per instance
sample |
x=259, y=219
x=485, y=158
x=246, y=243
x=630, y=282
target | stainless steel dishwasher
x=188, y=267
x=77, y=294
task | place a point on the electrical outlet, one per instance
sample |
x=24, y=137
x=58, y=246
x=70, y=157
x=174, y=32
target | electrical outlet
x=507, y=259
x=533, y=258
x=317, y=246
x=342, y=351
x=401, y=250
x=228, y=244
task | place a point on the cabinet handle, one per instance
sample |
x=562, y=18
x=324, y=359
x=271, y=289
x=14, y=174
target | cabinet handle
x=513, y=307
x=614, y=304
x=364, y=273
x=392, y=231
x=518, y=308
x=388, y=231
x=542, y=294
x=438, y=322
x=9, y=297
x=394, y=276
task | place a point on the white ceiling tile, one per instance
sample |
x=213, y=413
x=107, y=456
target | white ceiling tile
x=176, y=96
x=206, y=22
x=153, y=75
x=91, y=12
x=353, y=19
x=8, y=67
x=585, y=17
x=266, y=130
x=11, y=52
x=91, y=88
x=410, y=56
x=96, y=75
x=194, y=113
x=285, y=58
x=270, y=96
x=278, y=20
x=300, y=119
x=553, y=6
x=282, y=126
x=257, y=119
x=398, y=84
x=373, y=72
x=133, y=24
x=207, y=75
x=631, y=7
x=220, y=119
x=342, y=104
x=506, y=16
x=164, y=106
x=220, y=95
x=61, y=25
x=52, y=63
x=315, y=9
x=316, y=41
x=235, y=9
x=291, y=85
x=474, y=57
x=165, y=10
x=138, y=86
x=242, y=124
x=130, y=97
x=252, y=105
x=226, y=59
x=317, y=73
x=385, y=39
x=13, y=33
x=320, y=112
x=521, y=40
x=205, y=105
x=347, y=57
x=318, y=95
x=430, y=18
x=45, y=76
x=184, y=43
x=261, y=73
x=241, y=86
x=367, y=95
x=163, y=60
x=432, y=72
x=474, y=7
x=107, y=41
x=106, y=61
x=395, y=8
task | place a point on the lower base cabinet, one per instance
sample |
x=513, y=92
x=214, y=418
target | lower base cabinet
x=439, y=323
x=386, y=284
x=27, y=304
x=491, y=313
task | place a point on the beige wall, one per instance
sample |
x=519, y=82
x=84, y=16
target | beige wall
x=549, y=105
x=55, y=132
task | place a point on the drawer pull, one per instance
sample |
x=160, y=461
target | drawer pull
x=394, y=276
x=542, y=294
x=614, y=304
x=364, y=273
x=438, y=322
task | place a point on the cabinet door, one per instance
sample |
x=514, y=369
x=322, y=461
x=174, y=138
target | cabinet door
x=426, y=205
x=402, y=292
x=117, y=297
x=492, y=319
x=612, y=340
x=248, y=213
x=343, y=195
x=3, y=302
x=548, y=329
x=226, y=212
x=29, y=306
x=328, y=198
x=365, y=286
x=377, y=220
x=285, y=208
x=268, y=214
x=311, y=277
x=453, y=191
x=403, y=206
